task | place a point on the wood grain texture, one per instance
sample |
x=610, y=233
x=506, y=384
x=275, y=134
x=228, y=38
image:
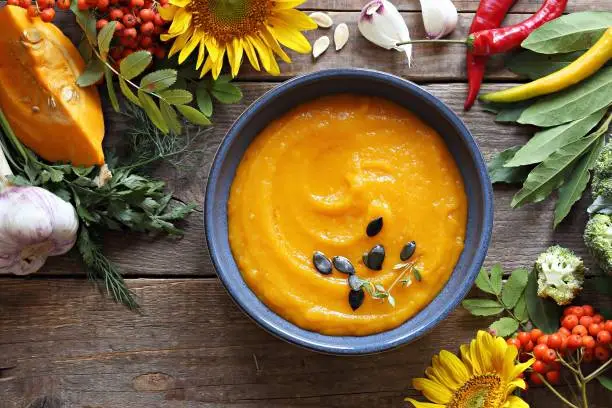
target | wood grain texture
x=191, y=347
x=519, y=234
x=521, y=6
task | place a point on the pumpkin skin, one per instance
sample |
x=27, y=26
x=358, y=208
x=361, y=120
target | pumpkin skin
x=47, y=110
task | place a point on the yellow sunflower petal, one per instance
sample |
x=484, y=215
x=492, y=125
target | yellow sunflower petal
x=498, y=351
x=466, y=357
x=514, y=384
x=181, y=22
x=265, y=54
x=483, y=346
x=418, y=404
x=218, y=64
x=440, y=373
x=180, y=42
x=274, y=68
x=269, y=39
x=515, y=402
x=296, y=19
x=287, y=4
x=201, y=54
x=432, y=390
x=515, y=370
x=292, y=39
x=180, y=3
x=454, y=366
x=193, y=42
x=250, y=52
x=167, y=13
x=207, y=66
x=234, y=55
x=213, y=48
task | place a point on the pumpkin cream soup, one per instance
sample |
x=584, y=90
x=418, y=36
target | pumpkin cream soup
x=347, y=215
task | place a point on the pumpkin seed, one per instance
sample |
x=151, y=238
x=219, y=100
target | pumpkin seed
x=356, y=298
x=364, y=258
x=408, y=251
x=323, y=20
x=374, y=226
x=341, y=36
x=320, y=46
x=321, y=263
x=354, y=282
x=343, y=265
x=376, y=257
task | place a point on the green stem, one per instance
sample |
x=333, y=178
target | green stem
x=561, y=397
x=464, y=42
x=566, y=364
x=8, y=131
x=600, y=370
x=585, y=402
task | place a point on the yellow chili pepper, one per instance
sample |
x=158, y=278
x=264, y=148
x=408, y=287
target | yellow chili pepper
x=585, y=66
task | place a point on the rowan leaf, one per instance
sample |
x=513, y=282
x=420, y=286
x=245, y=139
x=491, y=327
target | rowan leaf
x=482, y=307
x=504, y=327
x=158, y=80
x=94, y=71
x=135, y=64
x=193, y=115
x=514, y=287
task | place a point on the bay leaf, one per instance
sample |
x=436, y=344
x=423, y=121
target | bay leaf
x=513, y=112
x=549, y=175
x=534, y=65
x=572, y=32
x=547, y=141
x=572, y=189
x=510, y=175
x=576, y=102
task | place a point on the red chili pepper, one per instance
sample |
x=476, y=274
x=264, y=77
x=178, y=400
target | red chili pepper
x=489, y=15
x=504, y=39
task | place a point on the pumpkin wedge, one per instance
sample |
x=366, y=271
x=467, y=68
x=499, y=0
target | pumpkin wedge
x=47, y=110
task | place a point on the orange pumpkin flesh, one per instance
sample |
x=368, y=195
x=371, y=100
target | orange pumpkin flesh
x=47, y=110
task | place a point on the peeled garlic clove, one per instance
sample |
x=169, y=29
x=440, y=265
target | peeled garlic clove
x=323, y=20
x=439, y=17
x=341, y=36
x=320, y=46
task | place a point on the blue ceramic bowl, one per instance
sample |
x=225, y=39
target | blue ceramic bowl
x=295, y=92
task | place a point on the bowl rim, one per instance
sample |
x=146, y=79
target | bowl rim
x=328, y=347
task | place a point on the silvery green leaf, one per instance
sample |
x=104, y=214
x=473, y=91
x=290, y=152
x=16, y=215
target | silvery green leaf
x=547, y=141
x=549, y=175
x=572, y=32
x=576, y=102
x=499, y=173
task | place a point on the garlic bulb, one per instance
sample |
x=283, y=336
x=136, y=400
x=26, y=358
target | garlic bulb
x=34, y=224
x=382, y=24
x=439, y=17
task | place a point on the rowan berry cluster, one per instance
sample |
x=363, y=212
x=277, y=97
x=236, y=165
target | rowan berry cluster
x=138, y=26
x=45, y=9
x=582, y=332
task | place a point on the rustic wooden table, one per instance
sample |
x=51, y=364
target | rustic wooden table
x=63, y=345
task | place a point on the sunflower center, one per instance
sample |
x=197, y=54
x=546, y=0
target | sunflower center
x=225, y=20
x=482, y=391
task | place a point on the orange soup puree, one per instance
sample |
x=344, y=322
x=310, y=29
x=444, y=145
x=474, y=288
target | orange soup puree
x=314, y=179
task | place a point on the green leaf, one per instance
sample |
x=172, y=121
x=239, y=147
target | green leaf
x=546, y=142
x=135, y=64
x=499, y=173
x=483, y=282
x=576, y=102
x=514, y=287
x=482, y=307
x=226, y=92
x=158, y=80
x=176, y=96
x=105, y=36
x=606, y=382
x=534, y=65
x=549, y=174
x=127, y=92
x=170, y=117
x=520, y=310
x=150, y=107
x=94, y=71
x=85, y=50
x=543, y=313
x=512, y=113
x=572, y=32
x=110, y=87
x=87, y=21
x=572, y=189
x=497, y=274
x=204, y=100
x=504, y=327
x=193, y=115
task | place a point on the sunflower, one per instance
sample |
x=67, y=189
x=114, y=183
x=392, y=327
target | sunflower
x=218, y=28
x=485, y=377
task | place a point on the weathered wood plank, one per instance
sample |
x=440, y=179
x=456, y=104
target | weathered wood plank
x=521, y=6
x=519, y=235
x=191, y=347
